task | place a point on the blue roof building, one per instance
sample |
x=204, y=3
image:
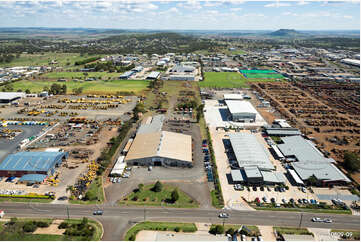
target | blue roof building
x=23, y=163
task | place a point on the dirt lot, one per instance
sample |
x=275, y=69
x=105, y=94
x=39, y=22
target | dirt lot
x=333, y=131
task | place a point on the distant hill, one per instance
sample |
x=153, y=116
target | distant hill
x=287, y=33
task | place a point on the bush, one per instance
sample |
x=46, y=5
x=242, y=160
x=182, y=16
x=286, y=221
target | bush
x=175, y=195
x=176, y=229
x=230, y=231
x=29, y=227
x=132, y=237
x=189, y=229
x=218, y=229
x=157, y=187
x=63, y=225
x=42, y=224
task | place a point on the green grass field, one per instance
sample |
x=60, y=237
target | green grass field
x=228, y=80
x=148, y=197
x=39, y=59
x=264, y=75
x=80, y=75
x=89, y=87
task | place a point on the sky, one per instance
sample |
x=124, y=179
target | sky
x=182, y=15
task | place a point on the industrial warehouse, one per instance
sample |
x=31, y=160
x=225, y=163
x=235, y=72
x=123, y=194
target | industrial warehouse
x=153, y=147
x=23, y=163
x=308, y=162
x=241, y=111
x=8, y=97
x=161, y=149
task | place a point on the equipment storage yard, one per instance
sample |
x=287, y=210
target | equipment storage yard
x=97, y=107
x=331, y=130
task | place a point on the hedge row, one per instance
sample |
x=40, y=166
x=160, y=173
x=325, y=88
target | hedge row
x=217, y=185
x=85, y=61
x=26, y=196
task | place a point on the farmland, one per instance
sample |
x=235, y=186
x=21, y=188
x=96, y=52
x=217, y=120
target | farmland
x=89, y=87
x=81, y=75
x=62, y=59
x=227, y=80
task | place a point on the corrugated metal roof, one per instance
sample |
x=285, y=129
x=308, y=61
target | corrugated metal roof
x=282, y=131
x=252, y=172
x=232, y=96
x=273, y=177
x=236, y=106
x=11, y=95
x=154, y=126
x=325, y=171
x=249, y=152
x=237, y=176
x=31, y=161
x=153, y=74
x=295, y=176
x=33, y=178
x=301, y=148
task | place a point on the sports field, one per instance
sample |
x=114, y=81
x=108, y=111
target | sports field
x=89, y=87
x=227, y=80
x=262, y=74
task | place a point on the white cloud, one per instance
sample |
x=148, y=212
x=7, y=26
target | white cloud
x=277, y=5
x=235, y=9
x=303, y=2
x=347, y=17
x=212, y=3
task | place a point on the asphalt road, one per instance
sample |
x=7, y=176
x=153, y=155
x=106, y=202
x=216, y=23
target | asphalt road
x=116, y=220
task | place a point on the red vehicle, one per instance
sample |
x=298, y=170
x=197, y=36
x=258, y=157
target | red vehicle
x=257, y=200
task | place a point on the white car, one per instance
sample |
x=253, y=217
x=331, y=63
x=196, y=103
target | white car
x=327, y=220
x=315, y=219
x=223, y=215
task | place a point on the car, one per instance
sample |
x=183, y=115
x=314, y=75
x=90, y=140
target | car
x=292, y=200
x=305, y=201
x=204, y=141
x=276, y=189
x=128, y=169
x=254, y=188
x=36, y=186
x=264, y=199
x=327, y=220
x=278, y=205
x=150, y=168
x=316, y=219
x=284, y=200
x=268, y=189
x=259, y=238
x=238, y=187
x=63, y=198
x=303, y=190
x=254, y=239
x=257, y=200
x=98, y=212
x=119, y=180
x=223, y=215
x=262, y=189
x=273, y=200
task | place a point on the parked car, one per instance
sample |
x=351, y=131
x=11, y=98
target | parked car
x=238, y=187
x=265, y=199
x=284, y=201
x=254, y=188
x=63, y=198
x=257, y=200
x=273, y=200
x=223, y=215
x=119, y=180
x=268, y=189
x=303, y=190
x=292, y=200
x=262, y=189
x=98, y=212
x=150, y=168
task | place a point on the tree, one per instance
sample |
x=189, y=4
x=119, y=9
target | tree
x=175, y=195
x=29, y=227
x=158, y=187
x=312, y=180
x=27, y=91
x=218, y=229
x=230, y=231
x=140, y=187
x=351, y=162
x=63, y=91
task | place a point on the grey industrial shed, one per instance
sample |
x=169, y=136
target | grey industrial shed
x=249, y=152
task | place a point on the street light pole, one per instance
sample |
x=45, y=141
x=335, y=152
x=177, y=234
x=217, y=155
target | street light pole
x=300, y=220
x=67, y=211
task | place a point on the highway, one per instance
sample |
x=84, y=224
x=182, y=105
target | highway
x=116, y=220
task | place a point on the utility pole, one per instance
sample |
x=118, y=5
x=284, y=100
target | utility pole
x=300, y=220
x=224, y=219
x=144, y=214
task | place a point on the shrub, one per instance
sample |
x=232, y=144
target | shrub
x=230, y=231
x=157, y=187
x=189, y=229
x=132, y=237
x=63, y=225
x=29, y=227
x=218, y=229
x=175, y=195
x=42, y=224
x=176, y=229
